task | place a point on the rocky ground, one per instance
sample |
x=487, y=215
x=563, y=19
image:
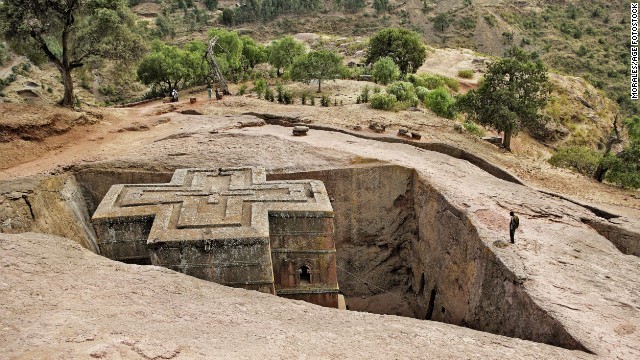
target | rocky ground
x=59, y=301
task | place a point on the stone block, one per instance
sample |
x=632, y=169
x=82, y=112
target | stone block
x=227, y=226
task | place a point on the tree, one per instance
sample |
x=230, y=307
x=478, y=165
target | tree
x=228, y=50
x=385, y=71
x=69, y=32
x=170, y=65
x=402, y=46
x=317, y=65
x=624, y=167
x=514, y=90
x=282, y=52
x=353, y=6
x=211, y=4
x=381, y=5
x=252, y=53
x=441, y=21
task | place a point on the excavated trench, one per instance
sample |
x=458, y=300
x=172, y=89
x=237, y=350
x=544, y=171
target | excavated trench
x=402, y=249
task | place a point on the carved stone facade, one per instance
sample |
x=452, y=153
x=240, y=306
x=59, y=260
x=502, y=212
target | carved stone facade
x=230, y=226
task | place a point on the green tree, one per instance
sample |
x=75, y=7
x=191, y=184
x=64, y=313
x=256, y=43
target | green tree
x=402, y=46
x=169, y=65
x=317, y=65
x=381, y=5
x=228, y=50
x=514, y=90
x=353, y=6
x=441, y=22
x=252, y=53
x=385, y=71
x=69, y=32
x=624, y=167
x=283, y=52
x=211, y=4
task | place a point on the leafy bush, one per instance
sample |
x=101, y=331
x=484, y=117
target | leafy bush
x=421, y=92
x=473, y=128
x=243, y=89
x=402, y=90
x=4, y=55
x=364, y=95
x=441, y=102
x=260, y=87
x=383, y=101
x=304, y=96
x=580, y=158
x=385, y=71
x=325, y=101
x=432, y=81
x=211, y=4
x=268, y=94
x=465, y=74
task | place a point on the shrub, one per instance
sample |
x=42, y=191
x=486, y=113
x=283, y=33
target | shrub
x=421, y=92
x=280, y=92
x=268, y=94
x=385, y=71
x=243, y=89
x=325, y=101
x=441, y=102
x=402, y=90
x=465, y=74
x=432, y=81
x=260, y=87
x=580, y=158
x=473, y=128
x=383, y=101
x=364, y=95
x=304, y=96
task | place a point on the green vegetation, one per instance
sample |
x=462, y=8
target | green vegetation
x=381, y=6
x=75, y=31
x=580, y=158
x=404, y=92
x=441, y=22
x=283, y=52
x=267, y=10
x=432, y=81
x=228, y=51
x=513, y=92
x=316, y=65
x=383, y=101
x=403, y=46
x=624, y=168
x=473, y=128
x=260, y=87
x=385, y=71
x=441, y=102
x=4, y=54
x=466, y=74
x=170, y=66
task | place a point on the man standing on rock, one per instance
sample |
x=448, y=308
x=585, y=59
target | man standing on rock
x=513, y=225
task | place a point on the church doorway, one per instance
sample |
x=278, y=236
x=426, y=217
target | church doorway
x=305, y=275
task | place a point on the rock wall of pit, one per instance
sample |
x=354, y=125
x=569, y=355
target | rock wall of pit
x=403, y=249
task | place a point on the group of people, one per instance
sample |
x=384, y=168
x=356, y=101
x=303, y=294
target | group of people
x=174, y=94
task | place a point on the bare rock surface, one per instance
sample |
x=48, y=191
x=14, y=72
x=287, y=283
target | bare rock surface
x=567, y=268
x=61, y=301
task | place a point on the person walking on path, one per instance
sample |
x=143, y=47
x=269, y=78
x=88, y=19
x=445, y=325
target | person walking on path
x=513, y=225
